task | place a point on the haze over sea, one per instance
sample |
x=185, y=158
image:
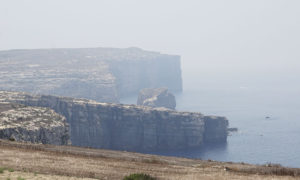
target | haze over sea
x=259, y=139
x=240, y=59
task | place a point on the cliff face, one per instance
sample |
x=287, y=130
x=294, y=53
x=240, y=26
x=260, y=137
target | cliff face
x=155, y=71
x=127, y=127
x=214, y=129
x=102, y=74
x=33, y=124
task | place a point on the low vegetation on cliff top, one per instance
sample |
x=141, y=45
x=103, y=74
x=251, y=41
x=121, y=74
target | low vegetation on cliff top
x=140, y=176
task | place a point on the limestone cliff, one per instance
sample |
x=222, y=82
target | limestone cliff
x=214, y=129
x=33, y=124
x=157, y=97
x=153, y=70
x=102, y=74
x=128, y=127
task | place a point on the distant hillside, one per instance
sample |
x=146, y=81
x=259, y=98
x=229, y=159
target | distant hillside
x=102, y=74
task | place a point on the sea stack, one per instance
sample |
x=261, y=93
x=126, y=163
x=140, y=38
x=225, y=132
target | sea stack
x=159, y=97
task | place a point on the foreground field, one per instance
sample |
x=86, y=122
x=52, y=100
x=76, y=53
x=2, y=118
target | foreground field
x=31, y=161
x=18, y=175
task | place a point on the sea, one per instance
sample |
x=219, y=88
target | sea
x=267, y=118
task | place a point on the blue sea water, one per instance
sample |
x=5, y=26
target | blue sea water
x=259, y=139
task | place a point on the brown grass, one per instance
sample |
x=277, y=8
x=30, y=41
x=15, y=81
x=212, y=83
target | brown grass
x=78, y=162
x=268, y=169
x=35, y=176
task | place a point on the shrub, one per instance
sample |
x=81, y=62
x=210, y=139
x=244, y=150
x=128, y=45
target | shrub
x=1, y=170
x=11, y=139
x=139, y=177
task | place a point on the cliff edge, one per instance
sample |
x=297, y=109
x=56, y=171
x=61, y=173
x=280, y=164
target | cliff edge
x=128, y=127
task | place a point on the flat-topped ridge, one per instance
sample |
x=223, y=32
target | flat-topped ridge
x=102, y=74
x=100, y=53
x=128, y=127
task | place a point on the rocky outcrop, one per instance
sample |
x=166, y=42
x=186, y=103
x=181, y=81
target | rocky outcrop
x=33, y=124
x=128, y=127
x=160, y=97
x=102, y=74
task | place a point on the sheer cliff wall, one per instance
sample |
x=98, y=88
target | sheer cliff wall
x=134, y=75
x=102, y=74
x=128, y=127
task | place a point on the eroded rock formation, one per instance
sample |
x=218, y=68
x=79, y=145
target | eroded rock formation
x=159, y=97
x=128, y=127
x=34, y=124
x=102, y=74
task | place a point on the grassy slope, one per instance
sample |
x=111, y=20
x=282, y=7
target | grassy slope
x=65, y=162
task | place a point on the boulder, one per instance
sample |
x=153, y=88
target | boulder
x=159, y=97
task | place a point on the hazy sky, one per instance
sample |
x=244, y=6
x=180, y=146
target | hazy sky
x=226, y=36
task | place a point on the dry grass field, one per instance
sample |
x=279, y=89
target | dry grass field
x=18, y=175
x=32, y=161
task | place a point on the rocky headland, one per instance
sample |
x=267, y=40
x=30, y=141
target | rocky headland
x=102, y=74
x=128, y=127
x=32, y=124
x=156, y=97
